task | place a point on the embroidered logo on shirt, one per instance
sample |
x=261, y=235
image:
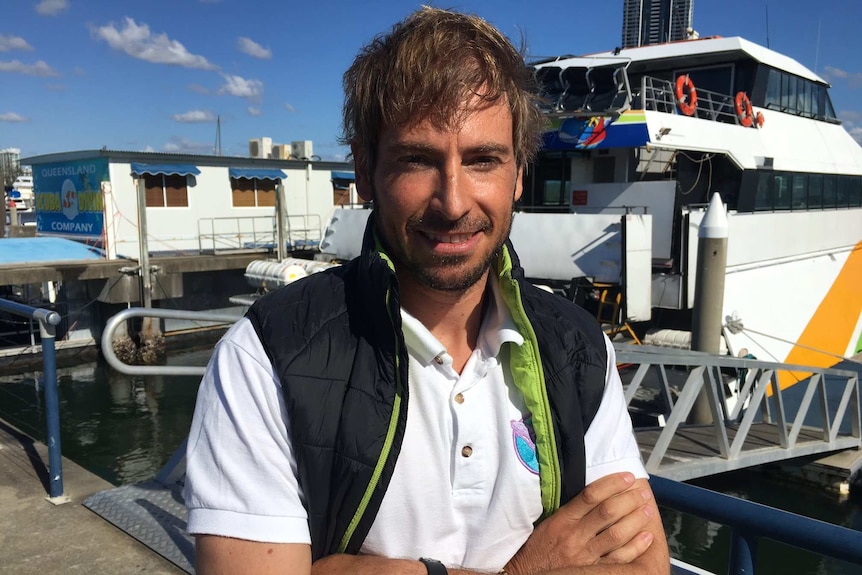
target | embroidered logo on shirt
x=524, y=440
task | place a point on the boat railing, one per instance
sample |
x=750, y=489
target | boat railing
x=749, y=522
x=757, y=396
x=256, y=233
x=658, y=95
x=48, y=322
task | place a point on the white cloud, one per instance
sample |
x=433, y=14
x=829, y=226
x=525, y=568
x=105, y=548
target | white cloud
x=289, y=108
x=40, y=68
x=195, y=117
x=8, y=43
x=198, y=89
x=241, y=87
x=51, y=7
x=137, y=41
x=181, y=145
x=854, y=79
x=149, y=149
x=252, y=48
x=12, y=117
x=254, y=111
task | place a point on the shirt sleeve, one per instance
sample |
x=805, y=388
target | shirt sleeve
x=609, y=442
x=240, y=467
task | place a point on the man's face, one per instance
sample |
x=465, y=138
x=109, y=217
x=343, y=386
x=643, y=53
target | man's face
x=444, y=197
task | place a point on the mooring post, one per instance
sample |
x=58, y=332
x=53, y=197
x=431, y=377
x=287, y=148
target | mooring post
x=709, y=293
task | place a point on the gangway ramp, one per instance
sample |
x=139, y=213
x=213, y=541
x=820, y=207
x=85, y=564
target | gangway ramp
x=753, y=422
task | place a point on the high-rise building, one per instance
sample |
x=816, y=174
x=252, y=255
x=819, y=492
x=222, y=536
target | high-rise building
x=10, y=165
x=655, y=21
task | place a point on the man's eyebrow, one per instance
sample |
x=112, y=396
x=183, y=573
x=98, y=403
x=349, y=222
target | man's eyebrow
x=419, y=147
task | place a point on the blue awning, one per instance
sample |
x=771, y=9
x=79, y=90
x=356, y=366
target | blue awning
x=166, y=169
x=344, y=176
x=256, y=174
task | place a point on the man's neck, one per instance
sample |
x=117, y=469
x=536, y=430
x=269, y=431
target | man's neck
x=454, y=318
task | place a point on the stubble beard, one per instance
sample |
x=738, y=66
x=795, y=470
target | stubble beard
x=435, y=272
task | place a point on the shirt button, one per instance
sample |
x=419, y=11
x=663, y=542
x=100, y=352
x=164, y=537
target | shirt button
x=466, y=451
x=438, y=360
x=459, y=398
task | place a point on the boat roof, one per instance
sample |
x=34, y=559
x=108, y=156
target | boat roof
x=688, y=48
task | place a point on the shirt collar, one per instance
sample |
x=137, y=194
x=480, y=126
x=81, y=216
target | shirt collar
x=497, y=328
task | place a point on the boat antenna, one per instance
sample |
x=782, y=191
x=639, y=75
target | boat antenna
x=817, y=49
x=767, y=25
x=217, y=146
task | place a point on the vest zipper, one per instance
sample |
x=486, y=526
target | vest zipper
x=387, y=444
x=546, y=451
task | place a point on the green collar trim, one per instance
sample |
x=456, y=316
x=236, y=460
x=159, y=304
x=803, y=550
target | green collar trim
x=527, y=373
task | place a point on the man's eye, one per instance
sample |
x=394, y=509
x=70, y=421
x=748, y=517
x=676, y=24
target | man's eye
x=485, y=160
x=414, y=159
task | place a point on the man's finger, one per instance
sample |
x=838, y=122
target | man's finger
x=623, y=531
x=597, y=492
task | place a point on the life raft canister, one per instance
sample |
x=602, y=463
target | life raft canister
x=686, y=95
x=745, y=113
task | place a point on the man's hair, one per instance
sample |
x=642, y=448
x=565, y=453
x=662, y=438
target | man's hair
x=427, y=68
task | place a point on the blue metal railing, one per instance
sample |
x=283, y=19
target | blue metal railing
x=48, y=321
x=751, y=521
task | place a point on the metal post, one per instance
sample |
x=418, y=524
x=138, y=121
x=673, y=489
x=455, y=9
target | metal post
x=279, y=221
x=47, y=322
x=146, y=283
x=709, y=292
x=743, y=552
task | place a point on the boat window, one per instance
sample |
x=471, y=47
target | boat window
x=166, y=191
x=763, y=195
x=828, y=195
x=781, y=192
x=830, y=187
x=815, y=192
x=855, y=192
x=795, y=95
x=799, y=201
x=547, y=181
x=799, y=191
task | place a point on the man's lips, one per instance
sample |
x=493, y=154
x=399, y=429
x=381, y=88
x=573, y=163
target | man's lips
x=449, y=238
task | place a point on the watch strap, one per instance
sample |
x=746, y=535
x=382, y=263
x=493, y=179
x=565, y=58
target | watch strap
x=434, y=567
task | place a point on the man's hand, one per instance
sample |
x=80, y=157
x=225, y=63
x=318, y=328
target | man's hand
x=605, y=524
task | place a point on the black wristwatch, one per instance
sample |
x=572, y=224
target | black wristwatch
x=434, y=567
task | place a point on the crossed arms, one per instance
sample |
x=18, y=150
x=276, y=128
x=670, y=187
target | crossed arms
x=612, y=527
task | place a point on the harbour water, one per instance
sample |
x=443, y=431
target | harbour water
x=124, y=428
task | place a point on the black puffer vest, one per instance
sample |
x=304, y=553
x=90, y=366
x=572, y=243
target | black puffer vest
x=336, y=344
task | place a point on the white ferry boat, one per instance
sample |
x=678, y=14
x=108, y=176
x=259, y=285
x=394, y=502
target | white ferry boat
x=639, y=141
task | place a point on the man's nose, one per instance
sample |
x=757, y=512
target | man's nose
x=452, y=197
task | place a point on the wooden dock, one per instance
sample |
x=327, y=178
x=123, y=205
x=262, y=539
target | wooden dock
x=38, y=537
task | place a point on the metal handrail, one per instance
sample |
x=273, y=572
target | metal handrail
x=759, y=376
x=120, y=318
x=48, y=322
x=751, y=521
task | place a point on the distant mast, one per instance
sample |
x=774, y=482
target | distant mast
x=217, y=146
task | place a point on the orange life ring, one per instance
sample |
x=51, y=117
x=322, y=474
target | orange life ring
x=686, y=95
x=743, y=109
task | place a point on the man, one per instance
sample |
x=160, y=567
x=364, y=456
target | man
x=423, y=407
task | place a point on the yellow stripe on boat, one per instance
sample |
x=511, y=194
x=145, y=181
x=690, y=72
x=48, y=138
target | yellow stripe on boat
x=832, y=325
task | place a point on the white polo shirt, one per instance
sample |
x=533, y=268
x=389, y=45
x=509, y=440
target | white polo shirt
x=465, y=489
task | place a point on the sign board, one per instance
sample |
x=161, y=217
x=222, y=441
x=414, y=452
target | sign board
x=68, y=197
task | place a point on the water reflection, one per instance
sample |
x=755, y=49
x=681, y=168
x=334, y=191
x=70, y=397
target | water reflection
x=123, y=428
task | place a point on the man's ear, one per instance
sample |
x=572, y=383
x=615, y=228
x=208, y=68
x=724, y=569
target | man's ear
x=364, y=186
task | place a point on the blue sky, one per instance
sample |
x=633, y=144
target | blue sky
x=154, y=74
